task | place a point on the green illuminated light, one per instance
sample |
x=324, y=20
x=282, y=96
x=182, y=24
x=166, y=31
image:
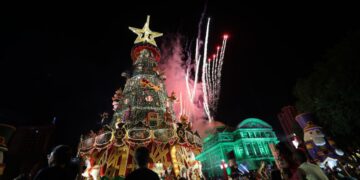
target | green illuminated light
x=249, y=142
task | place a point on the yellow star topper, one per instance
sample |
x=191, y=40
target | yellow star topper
x=145, y=34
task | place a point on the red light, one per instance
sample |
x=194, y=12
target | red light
x=218, y=47
x=214, y=55
x=226, y=36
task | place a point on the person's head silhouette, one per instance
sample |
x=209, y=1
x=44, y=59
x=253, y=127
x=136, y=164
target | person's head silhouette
x=299, y=156
x=60, y=156
x=60, y=165
x=142, y=157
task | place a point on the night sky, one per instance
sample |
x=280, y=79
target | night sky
x=65, y=61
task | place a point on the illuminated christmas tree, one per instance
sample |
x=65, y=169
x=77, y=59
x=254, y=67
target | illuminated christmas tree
x=143, y=116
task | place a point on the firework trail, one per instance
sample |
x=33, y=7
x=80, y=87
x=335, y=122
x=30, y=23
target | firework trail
x=210, y=76
x=213, y=80
x=214, y=73
x=192, y=94
x=217, y=66
x=197, y=65
x=208, y=79
x=218, y=75
x=206, y=103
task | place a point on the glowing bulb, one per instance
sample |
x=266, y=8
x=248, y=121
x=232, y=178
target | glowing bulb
x=295, y=143
x=226, y=36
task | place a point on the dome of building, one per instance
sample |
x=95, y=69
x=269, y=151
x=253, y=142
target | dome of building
x=253, y=123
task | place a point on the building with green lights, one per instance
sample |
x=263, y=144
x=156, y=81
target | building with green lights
x=249, y=142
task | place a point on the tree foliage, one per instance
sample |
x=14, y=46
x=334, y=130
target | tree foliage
x=332, y=91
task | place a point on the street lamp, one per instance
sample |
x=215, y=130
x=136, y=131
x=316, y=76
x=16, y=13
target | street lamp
x=223, y=166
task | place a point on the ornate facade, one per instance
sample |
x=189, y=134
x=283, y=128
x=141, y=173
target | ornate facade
x=249, y=143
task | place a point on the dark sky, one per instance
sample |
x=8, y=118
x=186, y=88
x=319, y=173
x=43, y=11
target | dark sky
x=66, y=60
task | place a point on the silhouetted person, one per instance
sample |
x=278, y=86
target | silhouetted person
x=276, y=174
x=307, y=170
x=142, y=158
x=287, y=165
x=59, y=167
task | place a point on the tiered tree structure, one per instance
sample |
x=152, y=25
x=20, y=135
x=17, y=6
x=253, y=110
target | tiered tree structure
x=143, y=116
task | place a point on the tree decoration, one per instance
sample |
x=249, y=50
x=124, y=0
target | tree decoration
x=149, y=98
x=143, y=116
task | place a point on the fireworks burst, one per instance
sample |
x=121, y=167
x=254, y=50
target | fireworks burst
x=197, y=98
x=210, y=74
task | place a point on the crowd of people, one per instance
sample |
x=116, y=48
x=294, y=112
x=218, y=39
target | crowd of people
x=296, y=164
x=292, y=165
x=61, y=166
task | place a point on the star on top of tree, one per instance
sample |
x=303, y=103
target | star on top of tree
x=145, y=34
